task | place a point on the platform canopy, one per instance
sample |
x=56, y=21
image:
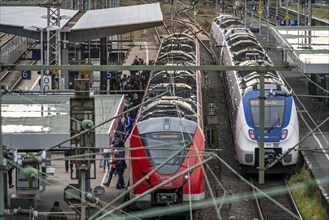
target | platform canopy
x=32, y=122
x=307, y=46
x=82, y=26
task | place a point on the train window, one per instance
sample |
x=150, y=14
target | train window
x=165, y=144
x=273, y=114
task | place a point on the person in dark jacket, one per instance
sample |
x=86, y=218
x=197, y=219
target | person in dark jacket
x=67, y=154
x=56, y=213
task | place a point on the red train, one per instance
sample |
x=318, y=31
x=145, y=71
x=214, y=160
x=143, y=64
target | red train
x=167, y=141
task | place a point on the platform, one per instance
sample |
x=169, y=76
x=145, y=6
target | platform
x=42, y=121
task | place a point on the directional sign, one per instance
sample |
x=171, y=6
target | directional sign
x=293, y=23
x=283, y=22
x=26, y=74
x=86, y=72
x=109, y=75
x=254, y=8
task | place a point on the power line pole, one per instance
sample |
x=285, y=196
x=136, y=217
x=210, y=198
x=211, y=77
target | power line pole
x=261, y=166
x=2, y=167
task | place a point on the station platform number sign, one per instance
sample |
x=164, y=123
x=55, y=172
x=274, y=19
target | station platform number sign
x=284, y=22
x=26, y=74
x=259, y=8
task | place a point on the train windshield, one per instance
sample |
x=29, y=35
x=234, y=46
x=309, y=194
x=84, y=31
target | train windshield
x=273, y=114
x=165, y=144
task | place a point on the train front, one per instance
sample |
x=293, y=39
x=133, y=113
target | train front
x=162, y=151
x=281, y=131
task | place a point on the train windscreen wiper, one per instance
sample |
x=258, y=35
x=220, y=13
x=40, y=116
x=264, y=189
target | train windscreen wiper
x=272, y=127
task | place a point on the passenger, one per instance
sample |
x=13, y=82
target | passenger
x=129, y=124
x=120, y=165
x=112, y=170
x=106, y=158
x=58, y=213
x=121, y=128
x=10, y=156
x=67, y=154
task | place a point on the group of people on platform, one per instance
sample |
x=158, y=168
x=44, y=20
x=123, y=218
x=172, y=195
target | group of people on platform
x=113, y=159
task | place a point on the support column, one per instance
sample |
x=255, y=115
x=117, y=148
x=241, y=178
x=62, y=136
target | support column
x=103, y=58
x=65, y=61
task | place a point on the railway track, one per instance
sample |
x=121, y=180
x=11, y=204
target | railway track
x=276, y=15
x=11, y=79
x=5, y=39
x=279, y=204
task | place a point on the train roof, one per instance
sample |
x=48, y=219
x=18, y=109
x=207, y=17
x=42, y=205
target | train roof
x=245, y=43
x=170, y=106
x=171, y=124
x=176, y=49
x=230, y=23
x=257, y=54
x=238, y=37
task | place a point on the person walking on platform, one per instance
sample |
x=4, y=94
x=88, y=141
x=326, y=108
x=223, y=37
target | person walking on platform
x=129, y=125
x=9, y=156
x=106, y=159
x=120, y=165
x=112, y=170
x=67, y=154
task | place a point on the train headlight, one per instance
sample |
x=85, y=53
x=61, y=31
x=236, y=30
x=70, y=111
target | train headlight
x=284, y=134
x=185, y=179
x=252, y=134
x=147, y=178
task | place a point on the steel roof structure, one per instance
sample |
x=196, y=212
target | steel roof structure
x=41, y=122
x=82, y=26
x=308, y=47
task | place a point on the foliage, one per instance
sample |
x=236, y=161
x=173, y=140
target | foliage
x=307, y=199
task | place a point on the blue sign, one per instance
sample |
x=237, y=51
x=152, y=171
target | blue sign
x=254, y=7
x=108, y=75
x=26, y=74
x=293, y=23
x=283, y=22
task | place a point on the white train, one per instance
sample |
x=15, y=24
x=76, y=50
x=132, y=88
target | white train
x=234, y=45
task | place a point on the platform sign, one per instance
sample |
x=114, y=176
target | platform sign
x=47, y=84
x=108, y=75
x=26, y=74
x=283, y=22
x=86, y=72
x=293, y=23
